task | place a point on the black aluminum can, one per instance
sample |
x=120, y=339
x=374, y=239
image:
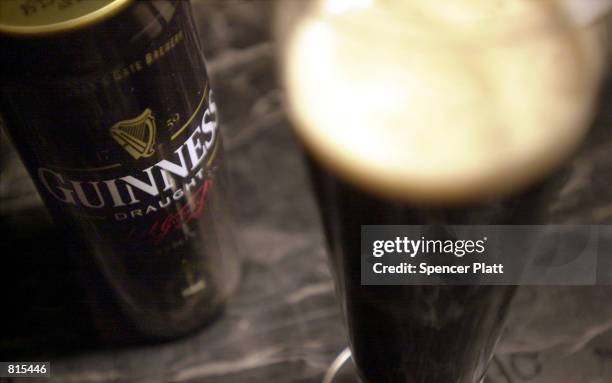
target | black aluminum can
x=110, y=107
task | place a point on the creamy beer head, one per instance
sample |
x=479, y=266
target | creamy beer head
x=441, y=101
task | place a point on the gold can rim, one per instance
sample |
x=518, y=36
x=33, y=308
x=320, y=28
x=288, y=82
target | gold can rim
x=90, y=17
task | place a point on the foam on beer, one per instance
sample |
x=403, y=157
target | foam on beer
x=441, y=101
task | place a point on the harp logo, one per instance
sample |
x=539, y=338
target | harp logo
x=136, y=135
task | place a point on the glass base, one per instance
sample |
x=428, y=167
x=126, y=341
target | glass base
x=342, y=370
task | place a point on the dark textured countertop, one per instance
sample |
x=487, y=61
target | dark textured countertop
x=283, y=324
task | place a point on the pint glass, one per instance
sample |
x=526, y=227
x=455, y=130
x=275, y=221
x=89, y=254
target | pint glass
x=432, y=113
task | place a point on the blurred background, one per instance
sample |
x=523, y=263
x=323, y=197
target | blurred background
x=284, y=324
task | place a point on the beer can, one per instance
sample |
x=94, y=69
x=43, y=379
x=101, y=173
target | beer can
x=109, y=105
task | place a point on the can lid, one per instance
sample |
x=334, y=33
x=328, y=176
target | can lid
x=35, y=18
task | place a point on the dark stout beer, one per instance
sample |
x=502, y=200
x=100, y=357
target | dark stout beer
x=110, y=107
x=423, y=334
